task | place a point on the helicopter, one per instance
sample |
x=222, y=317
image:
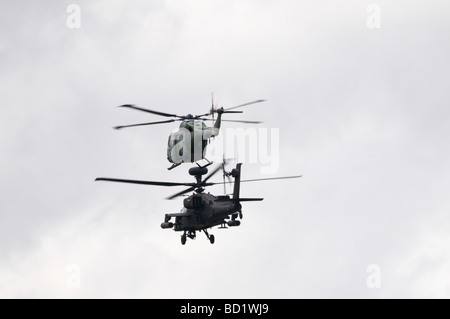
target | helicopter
x=201, y=210
x=188, y=143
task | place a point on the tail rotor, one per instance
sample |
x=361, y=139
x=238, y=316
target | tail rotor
x=225, y=174
x=213, y=110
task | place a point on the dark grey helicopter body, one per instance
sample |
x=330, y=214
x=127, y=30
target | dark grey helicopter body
x=202, y=211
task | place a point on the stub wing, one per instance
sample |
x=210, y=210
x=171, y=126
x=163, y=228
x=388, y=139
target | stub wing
x=185, y=214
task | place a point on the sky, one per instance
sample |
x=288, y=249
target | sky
x=357, y=90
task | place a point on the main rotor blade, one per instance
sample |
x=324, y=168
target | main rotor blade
x=131, y=181
x=190, y=189
x=249, y=199
x=245, y=104
x=142, y=124
x=238, y=121
x=131, y=106
x=227, y=110
x=270, y=178
x=260, y=179
x=203, y=183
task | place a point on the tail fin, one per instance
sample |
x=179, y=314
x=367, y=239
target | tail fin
x=236, y=173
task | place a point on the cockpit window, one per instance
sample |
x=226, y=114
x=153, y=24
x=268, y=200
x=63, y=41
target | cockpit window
x=188, y=125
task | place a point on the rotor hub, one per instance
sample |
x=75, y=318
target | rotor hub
x=198, y=171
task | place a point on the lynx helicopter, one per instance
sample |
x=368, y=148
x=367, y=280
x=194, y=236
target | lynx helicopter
x=202, y=211
x=188, y=143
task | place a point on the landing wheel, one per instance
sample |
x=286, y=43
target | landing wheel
x=183, y=239
x=210, y=237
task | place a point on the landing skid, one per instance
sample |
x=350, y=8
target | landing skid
x=206, y=165
x=174, y=165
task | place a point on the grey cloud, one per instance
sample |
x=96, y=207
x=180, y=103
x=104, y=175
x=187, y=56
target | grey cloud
x=362, y=113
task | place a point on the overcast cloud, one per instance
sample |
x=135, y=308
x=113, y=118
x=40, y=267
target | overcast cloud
x=362, y=113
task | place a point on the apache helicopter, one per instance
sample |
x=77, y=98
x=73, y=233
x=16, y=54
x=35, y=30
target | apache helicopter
x=203, y=210
x=188, y=143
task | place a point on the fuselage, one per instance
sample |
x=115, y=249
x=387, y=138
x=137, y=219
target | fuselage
x=188, y=143
x=203, y=211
